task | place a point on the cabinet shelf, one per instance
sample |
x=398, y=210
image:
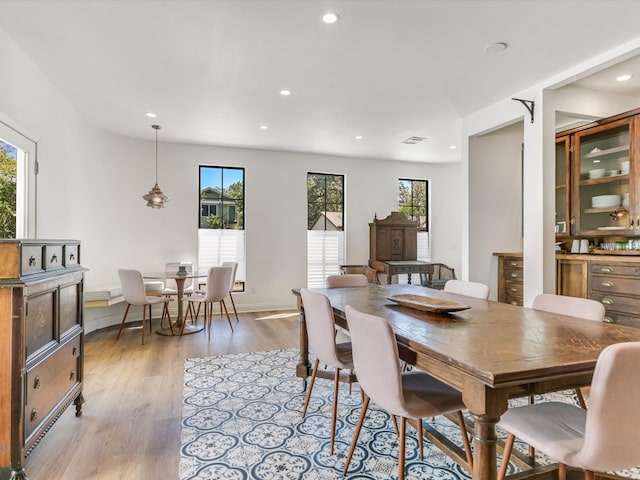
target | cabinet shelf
x=608, y=151
x=609, y=179
x=603, y=209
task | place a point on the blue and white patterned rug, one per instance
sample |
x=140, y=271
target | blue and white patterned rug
x=242, y=420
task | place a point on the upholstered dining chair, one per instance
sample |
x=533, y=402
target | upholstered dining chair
x=470, y=289
x=407, y=395
x=133, y=291
x=216, y=291
x=577, y=307
x=232, y=283
x=321, y=333
x=347, y=280
x=601, y=439
x=171, y=288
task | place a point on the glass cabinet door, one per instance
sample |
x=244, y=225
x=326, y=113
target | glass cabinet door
x=563, y=222
x=603, y=194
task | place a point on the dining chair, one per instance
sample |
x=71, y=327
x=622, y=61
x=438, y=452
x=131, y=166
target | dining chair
x=232, y=283
x=133, y=291
x=170, y=288
x=347, y=280
x=439, y=276
x=321, y=333
x=603, y=438
x=216, y=291
x=585, y=308
x=470, y=289
x=411, y=394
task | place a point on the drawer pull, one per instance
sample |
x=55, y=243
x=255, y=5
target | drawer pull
x=34, y=415
x=74, y=350
x=54, y=258
x=72, y=375
x=607, y=284
x=513, y=302
x=514, y=275
x=514, y=290
x=32, y=261
x=606, y=269
x=36, y=382
x=608, y=320
x=607, y=301
x=72, y=257
x=514, y=264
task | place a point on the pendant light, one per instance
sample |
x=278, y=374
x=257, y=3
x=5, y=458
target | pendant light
x=155, y=198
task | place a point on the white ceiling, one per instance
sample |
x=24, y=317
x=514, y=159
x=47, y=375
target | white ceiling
x=388, y=70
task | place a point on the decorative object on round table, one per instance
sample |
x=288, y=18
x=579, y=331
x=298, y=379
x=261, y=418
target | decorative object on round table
x=182, y=270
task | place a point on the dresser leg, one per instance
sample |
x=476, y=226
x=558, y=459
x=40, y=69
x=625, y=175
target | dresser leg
x=19, y=474
x=78, y=403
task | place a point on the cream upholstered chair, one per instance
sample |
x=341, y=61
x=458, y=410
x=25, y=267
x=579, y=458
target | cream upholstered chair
x=408, y=395
x=321, y=333
x=232, y=283
x=470, y=289
x=601, y=439
x=574, y=306
x=217, y=290
x=133, y=291
x=347, y=280
x=170, y=288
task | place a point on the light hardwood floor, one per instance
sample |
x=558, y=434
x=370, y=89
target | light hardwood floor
x=130, y=427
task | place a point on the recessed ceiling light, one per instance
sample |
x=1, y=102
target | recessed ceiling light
x=330, y=17
x=151, y=115
x=624, y=78
x=284, y=93
x=264, y=127
x=358, y=137
x=495, y=47
x=452, y=147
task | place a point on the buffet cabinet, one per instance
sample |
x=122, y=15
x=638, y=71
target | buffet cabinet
x=41, y=343
x=510, y=278
x=613, y=280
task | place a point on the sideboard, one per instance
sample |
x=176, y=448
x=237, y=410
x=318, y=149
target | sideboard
x=41, y=343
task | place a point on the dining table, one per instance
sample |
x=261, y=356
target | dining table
x=176, y=329
x=489, y=351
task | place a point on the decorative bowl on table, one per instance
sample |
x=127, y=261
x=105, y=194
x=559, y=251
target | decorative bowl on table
x=427, y=304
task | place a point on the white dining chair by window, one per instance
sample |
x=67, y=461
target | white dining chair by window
x=232, y=283
x=347, y=280
x=321, y=333
x=412, y=394
x=603, y=438
x=470, y=289
x=585, y=308
x=133, y=291
x=170, y=288
x=216, y=291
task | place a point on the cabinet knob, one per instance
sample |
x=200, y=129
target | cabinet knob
x=34, y=415
x=36, y=382
x=514, y=275
x=606, y=269
x=32, y=261
x=74, y=351
x=54, y=258
x=513, y=264
x=607, y=284
x=513, y=302
x=72, y=375
x=514, y=290
x=607, y=301
x=72, y=256
x=608, y=320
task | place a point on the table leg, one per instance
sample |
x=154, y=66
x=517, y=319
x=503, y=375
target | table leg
x=484, y=447
x=409, y=278
x=178, y=326
x=303, y=368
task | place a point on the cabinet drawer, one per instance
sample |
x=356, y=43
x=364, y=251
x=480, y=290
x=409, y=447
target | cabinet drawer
x=624, y=285
x=31, y=259
x=70, y=308
x=39, y=321
x=53, y=257
x=622, y=319
x=513, y=263
x=513, y=275
x=71, y=255
x=513, y=300
x=514, y=289
x=49, y=381
x=614, y=269
x=617, y=303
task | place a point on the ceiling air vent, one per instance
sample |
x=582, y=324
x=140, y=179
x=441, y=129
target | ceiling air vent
x=414, y=140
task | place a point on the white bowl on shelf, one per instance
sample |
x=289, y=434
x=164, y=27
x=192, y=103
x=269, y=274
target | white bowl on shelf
x=624, y=167
x=605, y=201
x=596, y=173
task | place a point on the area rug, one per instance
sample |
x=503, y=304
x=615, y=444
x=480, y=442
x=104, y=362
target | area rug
x=242, y=420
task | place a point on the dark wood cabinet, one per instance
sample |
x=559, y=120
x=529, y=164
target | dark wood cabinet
x=510, y=278
x=41, y=343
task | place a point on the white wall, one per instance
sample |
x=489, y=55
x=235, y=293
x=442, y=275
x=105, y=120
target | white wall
x=91, y=182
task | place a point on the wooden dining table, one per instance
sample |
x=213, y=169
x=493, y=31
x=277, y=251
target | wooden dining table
x=490, y=352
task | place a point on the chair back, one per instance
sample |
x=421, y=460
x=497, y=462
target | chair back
x=171, y=268
x=218, y=280
x=613, y=423
x=347, y=280
x=132, y=286
x=574, y=306
x=321, y=329
x=375, y=359
x=234, y=269
x=470, y=289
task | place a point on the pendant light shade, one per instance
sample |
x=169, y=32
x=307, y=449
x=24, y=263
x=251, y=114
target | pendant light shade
x=155, y=198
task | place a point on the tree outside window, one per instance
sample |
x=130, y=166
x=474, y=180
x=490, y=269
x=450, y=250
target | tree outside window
x=325, y=201
x=8, y=190
x=221, y=198
x=412, y=201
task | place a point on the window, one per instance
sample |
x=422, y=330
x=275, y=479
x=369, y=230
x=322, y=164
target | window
x=17, y=184
x=221, y=233
x=413, y=201
x=325, y=227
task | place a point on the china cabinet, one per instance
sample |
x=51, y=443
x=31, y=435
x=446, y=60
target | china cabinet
x=41, y=343
x=563, y=175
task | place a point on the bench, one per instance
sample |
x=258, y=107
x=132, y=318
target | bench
x=110, y=294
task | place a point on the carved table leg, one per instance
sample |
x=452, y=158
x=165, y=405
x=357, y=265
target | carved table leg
x=304, y=366
x=19, y=474
x=484, y=443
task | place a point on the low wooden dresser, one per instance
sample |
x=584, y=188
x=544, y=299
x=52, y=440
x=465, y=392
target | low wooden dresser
x=510, y=278
x=41, y=343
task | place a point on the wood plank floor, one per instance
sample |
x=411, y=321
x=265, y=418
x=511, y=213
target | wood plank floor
x=130, y=427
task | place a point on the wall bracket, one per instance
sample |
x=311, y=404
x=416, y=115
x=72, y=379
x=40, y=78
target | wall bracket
x=529, y=104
